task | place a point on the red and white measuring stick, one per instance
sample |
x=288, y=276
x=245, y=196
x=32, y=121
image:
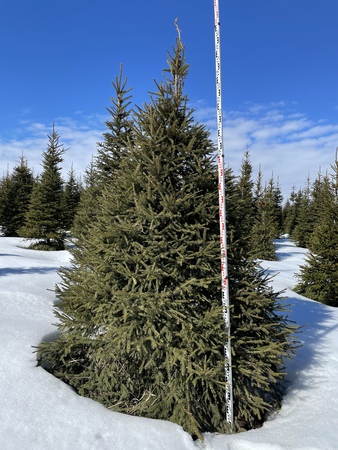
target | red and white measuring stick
x=222, y=217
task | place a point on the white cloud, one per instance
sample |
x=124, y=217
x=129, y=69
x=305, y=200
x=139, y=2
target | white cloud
x=281, y=140
x=78, y=136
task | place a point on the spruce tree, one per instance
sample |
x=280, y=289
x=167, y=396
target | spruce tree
x=44, y=218
x=16, y=202
x=5, y=189
x=70, y=199
x=263, y=234
x=246, y=203
x=304, y=227
x=149, y=286
x=119, y=131
x=273, y=196
x=140, y=314
x=86, y=208
x=318, y=277
x=110, y=151
x=265, y=227
x=291, y=211
x=258, y=187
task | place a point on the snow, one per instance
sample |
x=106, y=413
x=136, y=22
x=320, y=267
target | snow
x=38, y=411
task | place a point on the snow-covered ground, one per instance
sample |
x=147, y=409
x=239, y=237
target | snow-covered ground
x=37, y=411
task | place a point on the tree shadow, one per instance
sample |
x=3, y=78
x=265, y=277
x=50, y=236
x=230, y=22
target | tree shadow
x=52, y=336
x=316, y=320
x=281, y=243
x=4, y=271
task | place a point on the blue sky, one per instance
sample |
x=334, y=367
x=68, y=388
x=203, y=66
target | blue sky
x=279, y=75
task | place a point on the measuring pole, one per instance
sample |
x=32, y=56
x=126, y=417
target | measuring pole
x=222, y=217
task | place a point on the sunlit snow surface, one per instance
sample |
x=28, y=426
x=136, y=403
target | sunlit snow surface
x=37, y=411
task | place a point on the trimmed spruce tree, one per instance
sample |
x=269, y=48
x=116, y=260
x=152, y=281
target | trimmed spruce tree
x=140, y=313
x=44, y=224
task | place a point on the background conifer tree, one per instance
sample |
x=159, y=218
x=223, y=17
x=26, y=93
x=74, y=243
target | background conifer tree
x=5, y=189
x=291, y=211
x=110, y=151
x=246, y=204
x=23, y=182
x=258, y=186
x=266, y=222
x=44, y=218
x=140, y=314
x=263, y=233
x=119, y=131
x=86, y=208
x=70, y=199
x=303, y=229
x=273, y=197
x=16, y=202
x=318, y=278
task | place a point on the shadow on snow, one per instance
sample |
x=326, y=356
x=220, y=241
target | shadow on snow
x=4, y=271
x=317, y=321
x=281, y=244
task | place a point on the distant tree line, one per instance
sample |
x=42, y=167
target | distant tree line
x=139, y=314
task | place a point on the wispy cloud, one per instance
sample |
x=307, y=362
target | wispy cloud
x=282, y=141
x=78, y=136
